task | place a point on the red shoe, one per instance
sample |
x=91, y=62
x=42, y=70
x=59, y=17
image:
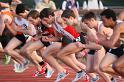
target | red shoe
x=36, y=74
x=86, y=78
x=44, y=65
x=39, y=73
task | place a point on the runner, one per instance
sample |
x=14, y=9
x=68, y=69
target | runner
x=37, y=44
x=21, y=26
x=94, y=57
x=6, y=29
x=114, y=43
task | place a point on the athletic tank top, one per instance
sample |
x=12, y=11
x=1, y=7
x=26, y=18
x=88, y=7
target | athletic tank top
x=60, y=30
x=48, y=32
x=8, y=13
x=23, y=23
x=72, y=31
x=8, y=16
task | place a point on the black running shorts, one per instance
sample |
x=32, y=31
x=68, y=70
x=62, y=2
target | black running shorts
x=66, y=40
x=91, y=52
x=21, y=38
x=118, y=51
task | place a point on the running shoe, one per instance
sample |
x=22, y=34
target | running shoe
x=17, y=68
x=86, y=78
x=113, y=79
x=24, y=66
x=43, y=71
x=79, y=76
x=7, y=59
x=49, y=73
x=61, y=76
x=21, y=67
x=39, y=73
x=95, y=79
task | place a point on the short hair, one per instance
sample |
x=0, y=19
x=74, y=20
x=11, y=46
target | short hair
x=89, y=15
x=34, y=14
x=21, y=8
x=109, y=13
x=46, y=12
x=67, y=13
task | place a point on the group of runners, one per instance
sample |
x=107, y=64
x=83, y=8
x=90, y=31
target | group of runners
x=48, y=36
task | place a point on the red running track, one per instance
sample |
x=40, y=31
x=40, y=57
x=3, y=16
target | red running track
x=8, y=75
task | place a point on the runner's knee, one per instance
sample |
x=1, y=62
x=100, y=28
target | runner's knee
x=102, y=67
x=96, y=68
x=7, y=50
x=116, y=66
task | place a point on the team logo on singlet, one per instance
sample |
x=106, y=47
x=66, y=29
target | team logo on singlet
x=23, y=22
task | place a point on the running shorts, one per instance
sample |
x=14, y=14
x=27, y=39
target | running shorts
x=66, y=40
x=118, y=51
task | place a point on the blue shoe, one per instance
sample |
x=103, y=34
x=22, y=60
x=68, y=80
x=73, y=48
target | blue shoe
x=113, y=79
x=17, y=67
x=24, y=66
x=49, y=73
x=95, y=79
x=79, y=76
x=61, y=76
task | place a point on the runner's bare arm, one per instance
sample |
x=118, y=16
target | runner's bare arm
x=114, y=38
x=11, y=29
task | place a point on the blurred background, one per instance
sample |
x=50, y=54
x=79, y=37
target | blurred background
x=108, y=3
